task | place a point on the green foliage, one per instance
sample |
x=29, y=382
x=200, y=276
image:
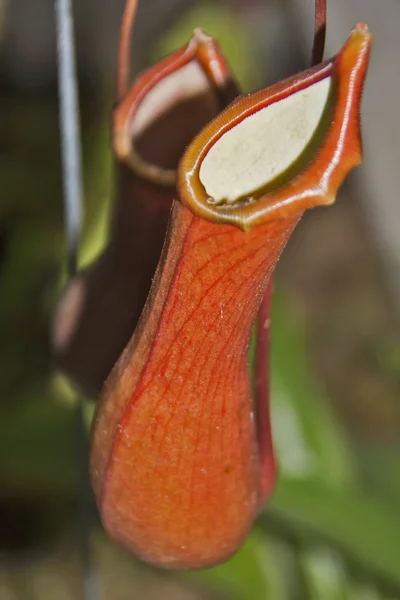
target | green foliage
x=254, y=572
x=306, y=432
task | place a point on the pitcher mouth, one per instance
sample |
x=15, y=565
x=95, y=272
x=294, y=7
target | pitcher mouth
x=171, y=102
x=268, y=147
x=283, y=149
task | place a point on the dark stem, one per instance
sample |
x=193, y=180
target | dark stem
x=70, y=131
x=319, y=32
x=72, y=186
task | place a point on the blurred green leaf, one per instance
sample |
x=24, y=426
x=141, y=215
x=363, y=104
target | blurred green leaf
x=99, y=189
x=381, y=468
x=253, y=573
x=364, y=591
x=307, y=436
x=324, y=574
x=366, y=532
x=37, y=443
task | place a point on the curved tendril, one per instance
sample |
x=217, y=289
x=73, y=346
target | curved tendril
x=123, y=66
x=319, y=32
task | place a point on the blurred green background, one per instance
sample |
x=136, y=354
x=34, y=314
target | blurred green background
x=332, y=528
